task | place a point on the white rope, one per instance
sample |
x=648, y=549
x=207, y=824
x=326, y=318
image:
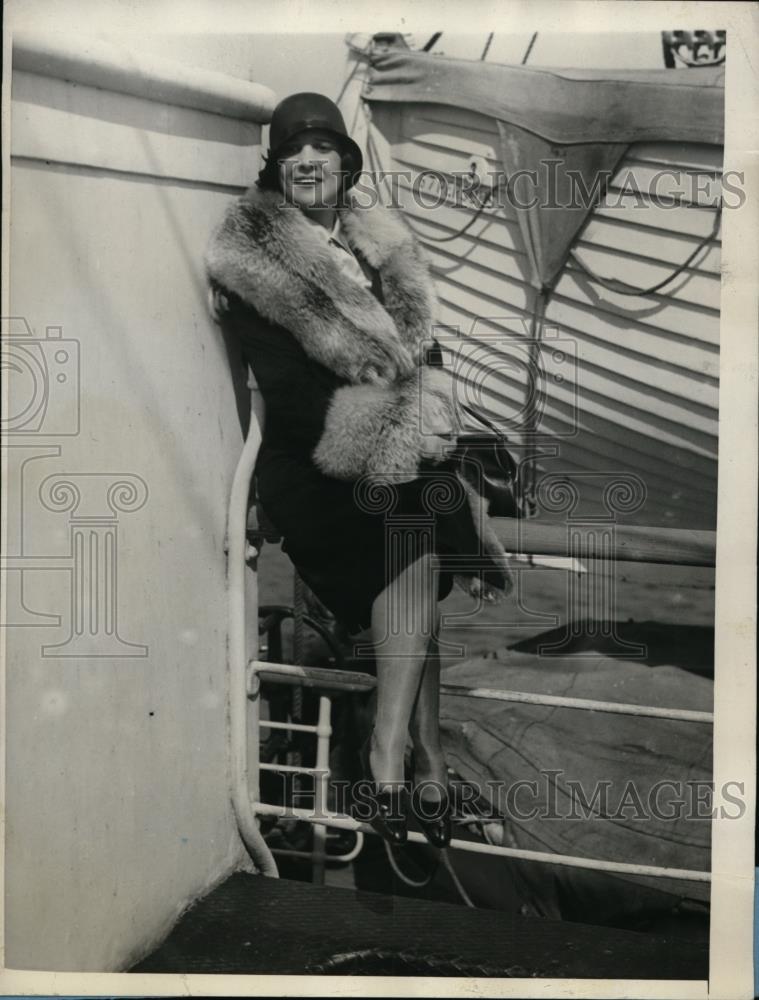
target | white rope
x=401, y=875
x=456, y=881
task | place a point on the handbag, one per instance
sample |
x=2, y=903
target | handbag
x=486, y=463
x=483, y=459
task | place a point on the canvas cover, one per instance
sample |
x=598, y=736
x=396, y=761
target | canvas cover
x=569, y=754
x=585, y=120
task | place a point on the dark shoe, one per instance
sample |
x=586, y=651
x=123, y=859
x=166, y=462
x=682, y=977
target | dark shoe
x=389, y=814
x=437, y=826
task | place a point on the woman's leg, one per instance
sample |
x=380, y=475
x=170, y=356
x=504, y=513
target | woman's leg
x=404, y=616
x=429, y=759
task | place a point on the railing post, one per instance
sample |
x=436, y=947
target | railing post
x=244, y=711
x=321, y=787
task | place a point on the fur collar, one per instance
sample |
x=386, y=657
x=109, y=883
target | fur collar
x=269, y=254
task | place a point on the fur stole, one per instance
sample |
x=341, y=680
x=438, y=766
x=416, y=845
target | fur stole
x=275, y=260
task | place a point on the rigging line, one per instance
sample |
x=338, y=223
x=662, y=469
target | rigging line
x=487, y=46
x=362, y=105
x=352, y=73
x=529, y=49
x=374, y=159
x=620, y=287
x=460, y=232
x=539, y=307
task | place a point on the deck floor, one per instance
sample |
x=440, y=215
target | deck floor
x=251, y=924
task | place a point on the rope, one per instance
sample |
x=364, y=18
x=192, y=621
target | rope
x=371, y=149
x=456, y=881
x=539, y=306
x=376, y=164
x=460, y=232
x=353, y=48
x=487, y=46
x=623, y=288
x=406, y=879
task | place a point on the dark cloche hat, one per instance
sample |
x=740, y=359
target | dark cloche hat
x=299, y=112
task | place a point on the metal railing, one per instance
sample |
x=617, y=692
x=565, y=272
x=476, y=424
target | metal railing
x=340, y=680
x=247, y=672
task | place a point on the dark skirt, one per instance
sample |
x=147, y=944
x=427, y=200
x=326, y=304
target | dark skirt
x=348, y=541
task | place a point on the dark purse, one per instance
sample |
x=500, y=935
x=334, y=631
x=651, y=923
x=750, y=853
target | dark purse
x=485, y=462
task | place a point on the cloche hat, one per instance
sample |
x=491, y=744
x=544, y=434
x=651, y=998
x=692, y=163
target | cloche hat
x=307, y=110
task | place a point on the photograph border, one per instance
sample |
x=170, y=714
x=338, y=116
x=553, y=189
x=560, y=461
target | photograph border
x=733, y=853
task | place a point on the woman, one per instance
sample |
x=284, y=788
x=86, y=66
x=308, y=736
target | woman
x=332, y=304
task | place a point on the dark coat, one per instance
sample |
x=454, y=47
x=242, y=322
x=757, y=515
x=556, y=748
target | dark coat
x=345, y=381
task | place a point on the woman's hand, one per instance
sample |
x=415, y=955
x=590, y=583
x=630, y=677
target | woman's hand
x=384, y=364
x=218, y=304
x=438, y=437
x=437, y=447
x=370, y=373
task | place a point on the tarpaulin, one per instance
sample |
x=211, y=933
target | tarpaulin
x=530, y=761
x=564, y=105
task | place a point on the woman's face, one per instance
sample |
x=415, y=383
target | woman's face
x=310, y=170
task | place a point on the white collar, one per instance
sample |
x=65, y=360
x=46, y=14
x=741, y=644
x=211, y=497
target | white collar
x=337, y=235
x=330, y=234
